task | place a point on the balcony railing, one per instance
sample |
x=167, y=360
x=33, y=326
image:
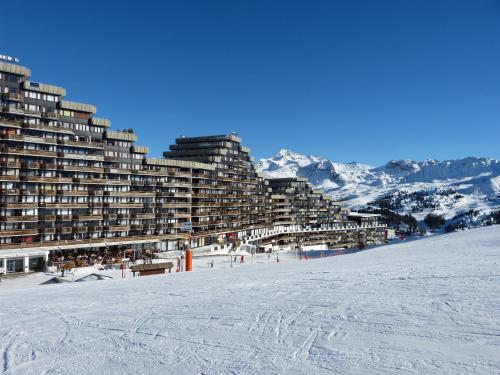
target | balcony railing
x=87, y=217
x=117, y=228
x=18, y=151
x=9, y=177
x=19, y=205
x=50, y=180
x=18, y=232
x=13, y=96
x=17, y=219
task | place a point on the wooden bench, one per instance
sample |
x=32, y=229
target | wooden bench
x=152, y=269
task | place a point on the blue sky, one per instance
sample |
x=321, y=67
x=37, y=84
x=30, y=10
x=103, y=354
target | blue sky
x=350, y=80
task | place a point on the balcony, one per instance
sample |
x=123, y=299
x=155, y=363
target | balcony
x=47, y=180
x=72, y=192
x=101, y=181
x=44, y=192
x=173, y=184
x=64, y=217
x=50, y=115
x=123, y=205
x=65, y=230
x=9, y=191
x=117, y=228
x=19, y=205
x=11, y=164
x=80, y=229
x=28, y=139
x=18, y=232
x=70, y=155
x=80, y=168
x=82, y=144
x=118, y=182
x=30, y=165
x=13, y=110
x=64, y=205
x=48, y=128
x=130, y=193
x=48, y=230
x=31, y=113
x=143, y=216
x=9, y=177
x=181, y=174
x=12, y=96
x=47, y=218
x=87, y=217
x=25, y=152
x=90, y=181
x=175, y=205
x=45, y=165
x=18, y=219
x=117, y=170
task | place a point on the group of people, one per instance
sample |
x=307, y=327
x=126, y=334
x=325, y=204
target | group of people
x=242, y=259
x=59, y=260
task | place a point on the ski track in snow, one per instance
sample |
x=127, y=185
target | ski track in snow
x=430, y=306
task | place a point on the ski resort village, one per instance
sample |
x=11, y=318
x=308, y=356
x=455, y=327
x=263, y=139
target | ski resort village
x=205, y=261
x=76, y=193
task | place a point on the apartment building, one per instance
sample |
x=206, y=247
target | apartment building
x=231, y=198
x=295, y=202
x=70, y=183
x=70, y=186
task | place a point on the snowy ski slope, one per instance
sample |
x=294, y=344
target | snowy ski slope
x=430, y=306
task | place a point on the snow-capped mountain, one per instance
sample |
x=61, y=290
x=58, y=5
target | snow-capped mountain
x=449, y=187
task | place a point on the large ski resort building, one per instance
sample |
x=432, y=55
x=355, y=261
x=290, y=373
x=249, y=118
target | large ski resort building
x=71, y=185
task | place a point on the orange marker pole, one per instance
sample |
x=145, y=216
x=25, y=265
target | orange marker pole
x=189, y=256
x=189, y=260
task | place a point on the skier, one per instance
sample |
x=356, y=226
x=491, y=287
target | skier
x=212, y=264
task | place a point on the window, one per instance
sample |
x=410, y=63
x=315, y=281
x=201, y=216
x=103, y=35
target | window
x=63, y=112
x=81, y=115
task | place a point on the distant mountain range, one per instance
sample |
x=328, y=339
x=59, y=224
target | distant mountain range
x=450, y=187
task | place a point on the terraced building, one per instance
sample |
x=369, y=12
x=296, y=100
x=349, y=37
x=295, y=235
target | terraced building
x=68, y=182
x=71, y=187
x=229, y=199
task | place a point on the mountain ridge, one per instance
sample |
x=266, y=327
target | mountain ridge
x=473, y=182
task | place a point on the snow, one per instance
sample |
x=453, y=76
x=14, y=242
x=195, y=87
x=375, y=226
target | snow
x=429, y=306
x=356, y=185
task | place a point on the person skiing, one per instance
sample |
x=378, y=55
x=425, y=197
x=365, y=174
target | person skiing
x=212, y=264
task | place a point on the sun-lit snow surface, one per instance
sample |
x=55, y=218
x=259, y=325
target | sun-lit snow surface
x=477, y=179
x=425, y=307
